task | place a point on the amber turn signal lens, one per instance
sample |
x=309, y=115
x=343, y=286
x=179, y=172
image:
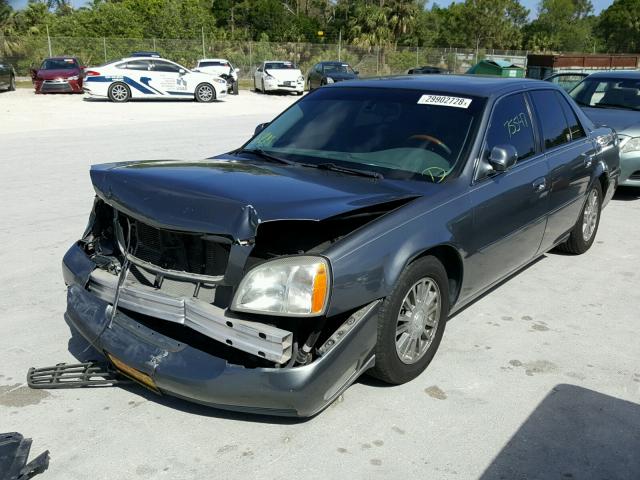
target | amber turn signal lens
x=320, y=289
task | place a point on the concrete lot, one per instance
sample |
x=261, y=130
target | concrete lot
x=539, y=379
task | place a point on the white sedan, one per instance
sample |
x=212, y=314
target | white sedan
x=274, y=76
x=150, y=77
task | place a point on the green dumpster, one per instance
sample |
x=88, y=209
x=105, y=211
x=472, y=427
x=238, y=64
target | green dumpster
x=498, y=68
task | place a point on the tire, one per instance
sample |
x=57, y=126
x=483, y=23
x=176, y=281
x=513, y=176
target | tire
x=119, y=92
x=263, y=90
x=389, y=366
x=12, y=83
x=235, y=88
x=323, y=82
x=299, y=93
x=583, y=236
x=205, y=93
x=309, y=86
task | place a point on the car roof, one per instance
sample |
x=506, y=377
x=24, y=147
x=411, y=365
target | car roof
x=630, y=74
x=333, y=62
x=142, y=58
x=278, y=61
x=62, y=57
x=213, y=60
x=478, y=85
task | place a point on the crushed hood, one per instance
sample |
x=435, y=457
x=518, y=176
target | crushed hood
x=231, y=197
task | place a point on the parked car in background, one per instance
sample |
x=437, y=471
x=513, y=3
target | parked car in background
x=278, y=76
x=324, y=73
x=426, y=70
x=58, y=75
x=7, y=76
x=337, y=241
x=150, y=77
x=613, y=99
x=222, y=68
x=566, y=80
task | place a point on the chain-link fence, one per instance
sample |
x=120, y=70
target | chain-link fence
x=27, y=52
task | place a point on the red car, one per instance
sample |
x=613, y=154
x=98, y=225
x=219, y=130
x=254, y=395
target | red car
x=58, y=75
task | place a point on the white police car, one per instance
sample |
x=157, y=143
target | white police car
x=151, y=77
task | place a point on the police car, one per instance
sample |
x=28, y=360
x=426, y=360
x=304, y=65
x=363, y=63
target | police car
x=151, y=77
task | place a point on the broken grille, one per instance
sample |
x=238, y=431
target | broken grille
x=196, y=253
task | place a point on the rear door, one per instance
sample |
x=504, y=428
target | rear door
x=510, y=208
x=137, y=74
x=571, y=158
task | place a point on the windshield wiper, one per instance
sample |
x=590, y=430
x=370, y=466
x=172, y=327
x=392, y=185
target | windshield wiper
x=613, y=105
x=266, y=156
x=351, y=171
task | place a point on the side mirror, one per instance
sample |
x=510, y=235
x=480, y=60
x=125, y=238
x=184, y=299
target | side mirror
x=182, y=71
x=237, y=70
x=33, y=72
x=503, y=157
x=356, y=72
x=260, y=128
x=83, y=67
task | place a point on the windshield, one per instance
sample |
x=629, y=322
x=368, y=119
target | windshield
x=337, y=68
x=279, y=66
x=608, y=93
x=59, y=64
x=403, y=134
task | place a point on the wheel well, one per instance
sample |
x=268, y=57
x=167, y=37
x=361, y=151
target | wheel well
x=450, y=259
x=604, y=182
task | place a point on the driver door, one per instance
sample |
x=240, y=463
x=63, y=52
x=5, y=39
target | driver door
x=510, y=207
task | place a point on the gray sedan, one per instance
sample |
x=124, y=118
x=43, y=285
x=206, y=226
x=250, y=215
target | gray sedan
x=613, y=99
x=336, y=241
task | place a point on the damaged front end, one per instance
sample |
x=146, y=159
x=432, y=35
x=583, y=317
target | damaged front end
x=164, y=303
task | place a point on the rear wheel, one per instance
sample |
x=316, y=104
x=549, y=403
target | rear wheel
x=309, y=85
x=411, y=322
x=584, y=232
x=205, y=93
x=263, y=90
x=12, y=83
x=119, y=92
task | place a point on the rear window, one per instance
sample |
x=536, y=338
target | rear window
x=279, y=66
x=616, y=93
x=213, y=64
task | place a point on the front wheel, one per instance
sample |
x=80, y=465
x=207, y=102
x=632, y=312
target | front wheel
x=12, y=83
x=263, y=90
x=584, y=232
x=119, y=92
x=411, y=322
x=205, y=93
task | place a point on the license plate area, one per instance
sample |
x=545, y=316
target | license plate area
x=133, y=373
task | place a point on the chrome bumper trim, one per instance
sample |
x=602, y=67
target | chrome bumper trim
x=259, y=339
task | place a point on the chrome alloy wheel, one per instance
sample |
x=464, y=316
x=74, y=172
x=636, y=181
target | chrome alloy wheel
x=590, y=216
x=119, y=92
x=417, y=320
x=205, y=93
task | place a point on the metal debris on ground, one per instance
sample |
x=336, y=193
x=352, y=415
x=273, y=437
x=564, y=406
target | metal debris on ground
x=14, y=453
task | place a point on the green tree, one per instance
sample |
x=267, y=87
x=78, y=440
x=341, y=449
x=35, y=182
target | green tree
x=565, y=25
x=619, y=26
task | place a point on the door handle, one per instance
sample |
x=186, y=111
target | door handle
x=540, y=185
x=588, y=159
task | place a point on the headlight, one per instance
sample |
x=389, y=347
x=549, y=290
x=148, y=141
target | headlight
x=300, y=79
x=220, y=80
x=631, y=145
x=329, y=80
x=270, y=77
x=75, y=77
x=291, y=286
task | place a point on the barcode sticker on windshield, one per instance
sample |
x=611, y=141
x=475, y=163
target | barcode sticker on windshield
x=444, y=101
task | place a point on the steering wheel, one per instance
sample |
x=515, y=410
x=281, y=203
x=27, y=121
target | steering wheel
x=431, y=172
x=431, y=139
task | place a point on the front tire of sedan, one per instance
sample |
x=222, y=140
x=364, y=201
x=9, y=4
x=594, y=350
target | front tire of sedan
x=119, y=92
x=411, y=322
x=12, y=83
x=205, y=93
x=584, y=232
